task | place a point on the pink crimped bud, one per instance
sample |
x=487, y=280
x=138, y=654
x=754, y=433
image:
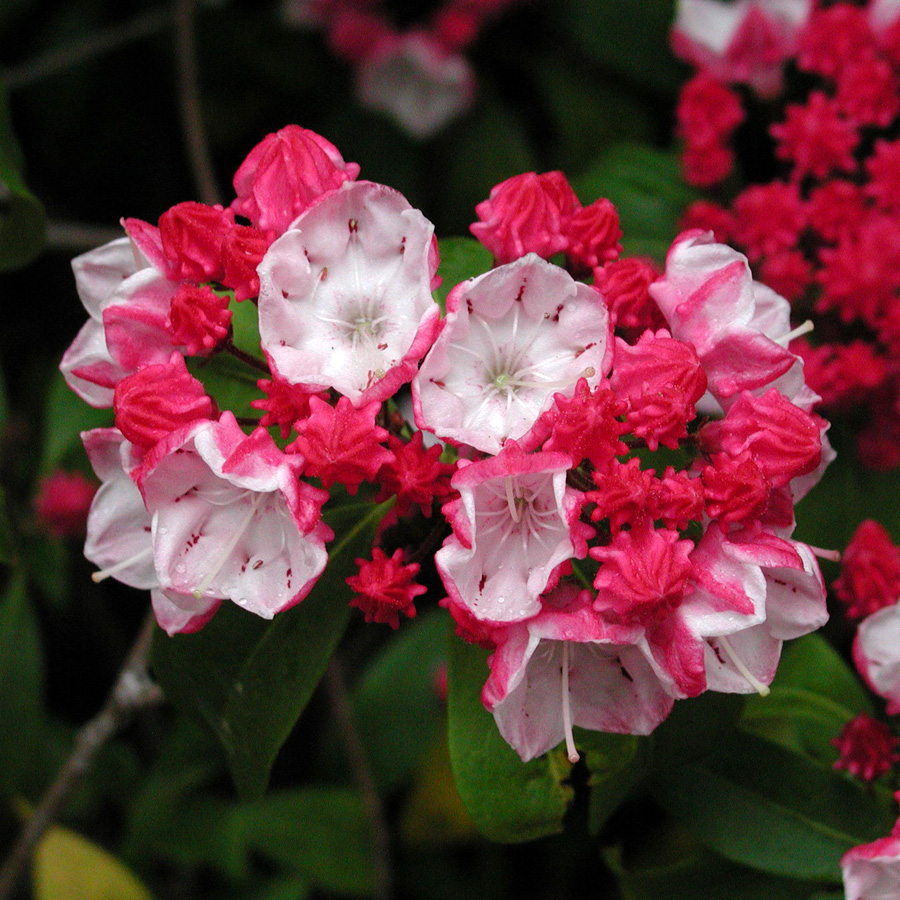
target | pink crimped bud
x=283, y=404
x=192, y=235
x=157, y=400
x=870, y=571
x=624, y=286
x=527, y=213
x=662, y=379
x=623, y=492
x=385, y=587
x=677, y=499
x=783, y=440
x=868, y=748
x=415, y=475
x=586, y=425
x=199, y=319
x=242, y=251
x=643, y=575
x=285, y=174
x=341, y=443
x=735, y=489
x=62, y=503
x=594, y=235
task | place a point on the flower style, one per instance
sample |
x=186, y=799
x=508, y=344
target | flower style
x=345, y=294
x=512, y=338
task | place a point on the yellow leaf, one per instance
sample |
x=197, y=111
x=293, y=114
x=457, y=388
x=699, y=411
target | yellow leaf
x=69, y=867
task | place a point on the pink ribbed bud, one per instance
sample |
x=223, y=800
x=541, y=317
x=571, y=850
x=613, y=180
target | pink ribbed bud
x=157, y=400
x=594, y=235
x=192, y=235
x=285, y=174
x=242, y=251
x=199, y=318
x=643, y=576
x=783, y=440
x=527, y=213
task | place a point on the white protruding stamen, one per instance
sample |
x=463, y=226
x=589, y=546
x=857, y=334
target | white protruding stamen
x=567, y=707
x=830, y=555
x=750, y=678
x=103, y=574
x=511, y=501
x=200, y=590
x=799, y=331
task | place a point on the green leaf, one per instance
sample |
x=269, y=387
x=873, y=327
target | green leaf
x=248, y=679
x=670, y=866
x=396, y=707
x=618, y=763
x=760, y=805
x=647, y=189
x=22, y=235
x=69, y=867
x=461, y=258
x=813, y=696
x=508, y=800
x=321, y=833
x=633, y=42
x=21, y=683
x=694, y=729
x=230, y=382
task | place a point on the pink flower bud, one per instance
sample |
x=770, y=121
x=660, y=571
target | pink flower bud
x=868, y=748
x=159, y=399
x=783, y=440
x=285, y=174
x=870, y=571
x=199, y=318
x=63, y=502
x=385, y=587
x=594, y=235
x=527, y=213
x=192, y=235
x=242, y=251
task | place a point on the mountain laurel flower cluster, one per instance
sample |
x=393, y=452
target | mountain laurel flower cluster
x=416, y=74
x=612, y=459
x=817, y=213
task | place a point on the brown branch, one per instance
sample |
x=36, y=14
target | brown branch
x=76, y=237
x=133, y=690
x=362, y=773
x=104, y=40
x=189, y=102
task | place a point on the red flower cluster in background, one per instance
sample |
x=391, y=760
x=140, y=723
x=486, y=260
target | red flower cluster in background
x=824, y=229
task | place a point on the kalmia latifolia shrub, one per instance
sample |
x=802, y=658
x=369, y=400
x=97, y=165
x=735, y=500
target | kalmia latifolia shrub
x=610, y=455
x=791, y=123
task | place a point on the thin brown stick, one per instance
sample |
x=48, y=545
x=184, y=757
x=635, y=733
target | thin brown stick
x=189, y=102
x=76, y=237
x=133, y=690
x=97, y=43
x=362, y=773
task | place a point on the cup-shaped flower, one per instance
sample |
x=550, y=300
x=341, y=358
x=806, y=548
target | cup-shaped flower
x=515, y=522
x=231, y=520
x=872, y=871
x=345, y=295
x=876, y=652
x=563, y=668
x=118, y=525
x=513, y=338
x=416, y=81
x=127, y=301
